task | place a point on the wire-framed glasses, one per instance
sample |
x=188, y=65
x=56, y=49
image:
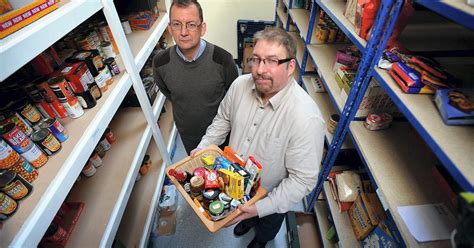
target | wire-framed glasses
x=190, y=26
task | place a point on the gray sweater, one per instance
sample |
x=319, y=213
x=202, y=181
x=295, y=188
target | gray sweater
x=194, y=88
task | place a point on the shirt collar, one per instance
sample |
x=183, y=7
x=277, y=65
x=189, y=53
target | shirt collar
x=276, y=100
x=202, y=46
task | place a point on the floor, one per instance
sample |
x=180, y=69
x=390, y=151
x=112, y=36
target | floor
x=190, y=232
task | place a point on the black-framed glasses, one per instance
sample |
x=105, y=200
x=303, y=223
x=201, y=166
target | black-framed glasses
x=190, y=26
x=271, y=62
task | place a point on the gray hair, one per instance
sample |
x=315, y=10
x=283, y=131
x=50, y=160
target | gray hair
x=278, y=36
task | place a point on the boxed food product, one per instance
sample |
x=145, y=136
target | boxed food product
x=24, y=14
x=384, y=235
x=365, y=214
x=208, y=192
x=456, y=106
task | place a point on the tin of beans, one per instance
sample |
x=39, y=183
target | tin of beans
x=105, y=143
x=46, y=140
x=109, y=136
x=15, y=118
x=95, y=159
x=8, y=206
x=8, y=156
x=55, y=127
x=25, y=170
x=14, y=185
x=28, y=111
x=16, y=138
x=89, y=170
x=35, y=156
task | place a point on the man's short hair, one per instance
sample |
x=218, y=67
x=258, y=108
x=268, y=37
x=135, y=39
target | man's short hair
x=187, y=3
x=279, y=36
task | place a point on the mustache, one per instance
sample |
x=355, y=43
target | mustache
x=262, y=76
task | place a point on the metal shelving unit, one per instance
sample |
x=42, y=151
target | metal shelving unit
x=389, y=160
x=133, y=127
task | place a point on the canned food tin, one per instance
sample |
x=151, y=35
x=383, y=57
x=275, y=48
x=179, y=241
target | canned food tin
x=83, y=43
x=16, y=138
x=109, y=136
x=95, y=159
x=46, y=141
x=59, y=110
x=45, y=109
x=126, y=26
x=28, y=111
x=46, y=91
x=25, y=170
x=35, y=156
x=61, y=89
x=14, y=185
x=378, y=121
x=332, y=34
x=73, y=108
x=89, y=170
x=332, y=125
x=112, y=65
x=15, y=118
x=104, y=143
x=55, y=127
x=100, y=150
x=107, y=49
x=8, y=156
x=8, y=206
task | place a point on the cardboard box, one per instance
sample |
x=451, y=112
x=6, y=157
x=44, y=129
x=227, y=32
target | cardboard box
x=302, y=230
x=365, y=214
x=166, y=223
x=452, y=115
x=248, y=50
x=18, y=18
x=384, y=235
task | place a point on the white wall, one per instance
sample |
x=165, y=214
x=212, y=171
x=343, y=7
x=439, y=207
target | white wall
x=221, y=17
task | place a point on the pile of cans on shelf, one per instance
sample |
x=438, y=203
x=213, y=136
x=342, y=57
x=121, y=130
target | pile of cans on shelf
x=328, y=32
x=95, y=160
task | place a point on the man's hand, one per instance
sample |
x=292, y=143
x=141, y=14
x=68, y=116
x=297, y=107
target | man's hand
x=193, y=152
x=247, y=212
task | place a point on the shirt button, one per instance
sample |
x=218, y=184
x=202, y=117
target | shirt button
x=261, y=108
x=255, y=124
x=248, y=139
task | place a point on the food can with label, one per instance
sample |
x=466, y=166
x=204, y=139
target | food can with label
x=55, y=127
x=35, y=156
x=126, y=25
x=46, y=91
x=8, y=156
x=8, y=206
x=45, y=108
x=95, y=159
x=61, y=89
x=25, y=170
x=15, y=118
x=16, y=138
x=14, y=185
x=46, y=140
x=104, y=143
x=58, y=109
x=28, y=111
x=109, y=136
x=73, y=108
x=107, y=49
x=89, y=170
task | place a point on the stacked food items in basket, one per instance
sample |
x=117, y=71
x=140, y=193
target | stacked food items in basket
x=218, y=184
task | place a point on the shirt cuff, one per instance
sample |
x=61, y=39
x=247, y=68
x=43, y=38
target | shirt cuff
x=265, y=207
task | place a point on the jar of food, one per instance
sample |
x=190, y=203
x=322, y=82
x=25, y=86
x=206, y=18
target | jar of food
x=95, y=159
x=100, y=151
x=55, y=234
x=89, y=170
x=209, y=195
x=104, y=143
x=14, y=185
x=216, y=209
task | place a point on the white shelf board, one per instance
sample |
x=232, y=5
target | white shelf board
x=106, y=193
x=335, y=10
x=341, y=221
x=400, y=164
x=324, y=57
x=283, y=16
x=456, y=10
x=300, y=51
x=56, y=178
x=142, y=43
x=301, y=19
x=453, y=142
x=327, y=109
x=40, y=34
x=322, y=212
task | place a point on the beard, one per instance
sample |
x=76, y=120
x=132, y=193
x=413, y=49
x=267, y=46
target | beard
x=263, y=83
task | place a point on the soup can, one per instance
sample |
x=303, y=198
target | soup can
x=28, y=111
x=107, y=49
x=15, y=118
x=8, y=206
x=46, y=140
x=55, y=127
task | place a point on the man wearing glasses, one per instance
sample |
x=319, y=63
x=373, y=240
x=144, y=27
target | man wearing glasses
x=276, y=121
x=195, y=74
